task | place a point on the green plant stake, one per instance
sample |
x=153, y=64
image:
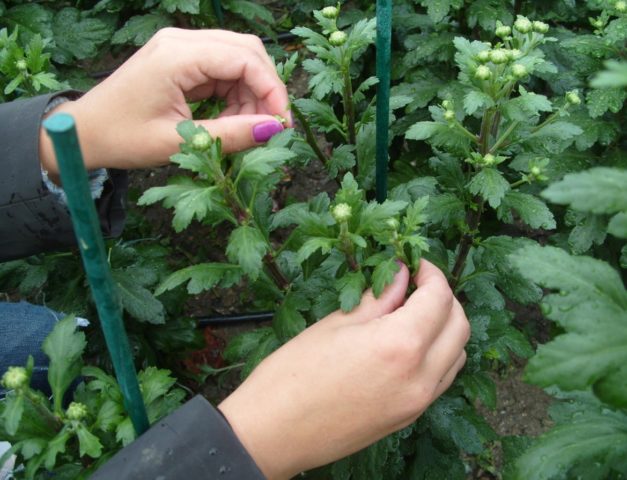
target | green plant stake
x=62, y=131
x=384, y=50
x=217, y=9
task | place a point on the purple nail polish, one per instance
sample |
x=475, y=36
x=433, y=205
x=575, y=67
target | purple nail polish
x=262, y=132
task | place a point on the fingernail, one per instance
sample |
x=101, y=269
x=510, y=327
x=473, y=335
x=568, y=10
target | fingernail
x=262, y=132
x=399, y=263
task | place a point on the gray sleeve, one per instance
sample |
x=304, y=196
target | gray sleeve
x=193, y=442
x=31, y=218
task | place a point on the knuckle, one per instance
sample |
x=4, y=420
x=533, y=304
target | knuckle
x=254, y=41
x=401, y=349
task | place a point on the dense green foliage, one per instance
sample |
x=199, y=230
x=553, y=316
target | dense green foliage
x=507, y=171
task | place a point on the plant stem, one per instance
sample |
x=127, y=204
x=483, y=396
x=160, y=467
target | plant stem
x=504, y=136
x=466, y=132
x=473, y=219
x=311, y=139
x=275, y=272
x=349, y=106
x=518, y=183
x=348, y=247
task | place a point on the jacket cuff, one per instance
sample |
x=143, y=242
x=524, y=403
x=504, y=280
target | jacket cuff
x=194, y=441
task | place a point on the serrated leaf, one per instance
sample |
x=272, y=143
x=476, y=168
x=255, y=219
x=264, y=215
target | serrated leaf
x=603, y=100
x=263, y=161
x=598, y=190
x=314, y=244
x=490, y=184
x=56, y=446
x=595, y=440
x=530, y=209
x=383, y=275
x=140, y=28
x=88, y=442
x=526, y=106
x=342, y=159
x=12, y=412
x=78, y=36
x=475, y=100
x=479, y=386
x=247, y=247
x=422, y=130
x=202, y=277
x=446, y=209
x=588, y=229
x=251, y=11
x=137, y=300
x=374, y=215
x=320, y=115
x=438, y=9
x=350, y=287
x=64, y=347
x=618, y=225
x=288, y=321
x=185, y=6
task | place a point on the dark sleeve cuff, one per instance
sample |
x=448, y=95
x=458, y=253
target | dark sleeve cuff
x=193, y=442
x=31, y=218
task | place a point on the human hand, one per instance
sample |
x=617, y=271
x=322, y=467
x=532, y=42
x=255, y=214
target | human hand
x=129, y=120
x=353, y=378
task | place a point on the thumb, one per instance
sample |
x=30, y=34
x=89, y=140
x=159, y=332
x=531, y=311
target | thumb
x=241, y=132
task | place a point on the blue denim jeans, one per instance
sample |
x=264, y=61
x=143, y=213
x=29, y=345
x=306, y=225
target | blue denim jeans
x=23, y=328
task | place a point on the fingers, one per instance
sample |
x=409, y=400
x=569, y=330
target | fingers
x=449, y=377
x=241, y=132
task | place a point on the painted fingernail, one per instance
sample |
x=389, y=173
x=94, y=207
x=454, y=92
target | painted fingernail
x=262, y=132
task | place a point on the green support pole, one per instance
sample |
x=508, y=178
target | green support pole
x=62, y=131
x=384, y=51
x=217, y=9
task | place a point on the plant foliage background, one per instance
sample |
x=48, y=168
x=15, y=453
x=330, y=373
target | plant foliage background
x=508, y=171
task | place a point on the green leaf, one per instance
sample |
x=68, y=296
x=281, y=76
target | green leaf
x=140, y=28
x=591, y=306
x=604, y=100
x=446, y=209
x=197, y=201
x=342, y=159
x=490, y=184
x=137, y=300
x=202, y=277
x=374, y=215
x=64, y=347
x=530, y=209
x=12, y=414
x=475, y=100
x=479, y=386
x=314, y=244
x=88, y=442
x=288, y=321
x=251, y=11
x=612, y=389
x=124, y=432
x=592, y=440
x=588, y=229
x=383, y=275
x=78, y=36
x=618, y=225
x=598, y=190
x=323, y=80
x=350, y=287
x=252, y=347
x=526, y=106
x=422, y=130
x=247, y=247
x=110, y=414
x=320, y=115
x=486, y=12
x=154, y=383
x=438, y=9
x=261, y=162
x=56, y=446
x=32, y=18
x=615, y=76
x=185, y=6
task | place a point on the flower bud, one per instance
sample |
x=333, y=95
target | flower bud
x=21, y=64
x=338, y=38
x=342, y=212
x=540, y=27
x=76, y=411
x=503, y=31
x=519, y=70
x=449, y=115
x=483, y=72
x=573, y=98
x=523, y=24
x=498, y=55
x=447, y=105
x=597, y=22
x=330, y=12
x=483, y=56
x=201, y=141
x=392, y=223
x=488, y=159
x=15, y=377
x=513, y=54
x=621, y=6
x=535, y=171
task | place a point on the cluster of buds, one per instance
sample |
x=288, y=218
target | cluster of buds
x=337, y=37
x=537, y=171
x=76, y=411
x=14, y=378
x=342, y=212
x=523, y=25
x=487, y=160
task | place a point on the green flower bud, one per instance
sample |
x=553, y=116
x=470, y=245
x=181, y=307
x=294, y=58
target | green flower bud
x=483, y=56
x=447, y=105
x=513, y=54
x=621, y=6
x=483, y=72
x=21, y=64
x=338, y=38
x=523, y=24
x=392, y=223
x=519, y=70
x=330, y=12
x=597, y=22
x=573, y=98
x=201, y=141
x=342, y=212
x=503, y=31
x=499, y=55
x=488, y=159
x=15, y=377
x=449, y=115
x=536, y=171
x=540, y=27
x=76, y=411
